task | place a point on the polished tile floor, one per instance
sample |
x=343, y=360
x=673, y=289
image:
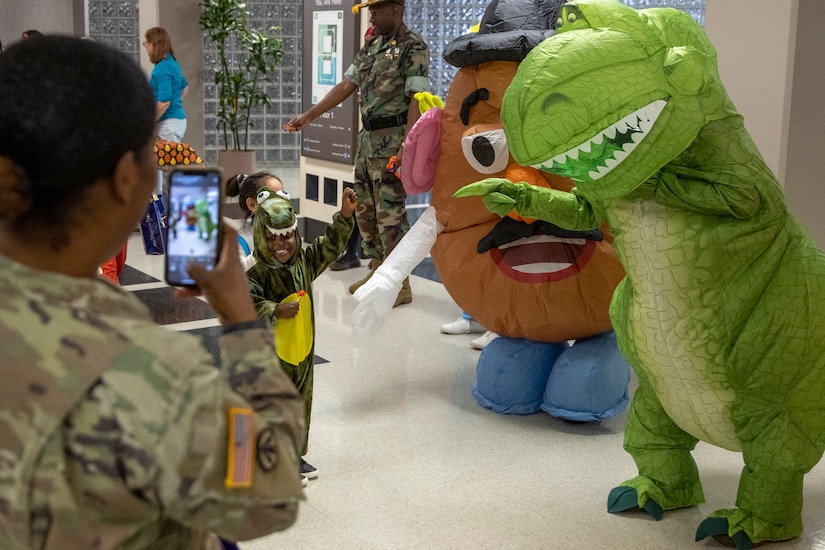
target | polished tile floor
x=408, y=460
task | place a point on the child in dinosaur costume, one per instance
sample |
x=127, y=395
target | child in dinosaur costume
x=281, y=283
x=721, y=312
x=206, y=225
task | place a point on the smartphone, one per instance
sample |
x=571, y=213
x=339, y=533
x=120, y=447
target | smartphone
x=193, y=219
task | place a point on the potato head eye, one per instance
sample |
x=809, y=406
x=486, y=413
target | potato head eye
x=487, y=151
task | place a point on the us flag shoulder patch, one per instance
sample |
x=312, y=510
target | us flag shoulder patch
x=240, y=463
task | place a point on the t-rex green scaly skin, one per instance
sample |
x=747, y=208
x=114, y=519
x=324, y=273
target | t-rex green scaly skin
x=721, y=312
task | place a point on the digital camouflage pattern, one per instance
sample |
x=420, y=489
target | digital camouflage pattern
x=271, y=281
x=388, y=70
x=721, y=313
x=113, y=430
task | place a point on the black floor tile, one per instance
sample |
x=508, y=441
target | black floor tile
x=166, y=309
x=131, y=276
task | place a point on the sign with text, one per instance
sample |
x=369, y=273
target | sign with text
x=329, y=44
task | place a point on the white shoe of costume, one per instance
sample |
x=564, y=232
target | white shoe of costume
x=482, y=341
x=462, y=326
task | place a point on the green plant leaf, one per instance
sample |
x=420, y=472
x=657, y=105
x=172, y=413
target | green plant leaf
x=246, y=57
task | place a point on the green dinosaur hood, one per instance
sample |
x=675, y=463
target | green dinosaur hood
x=615, y=95
x=275, y=214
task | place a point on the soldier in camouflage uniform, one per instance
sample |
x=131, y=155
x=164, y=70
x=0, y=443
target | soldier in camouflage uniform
x=116, y=432
x=388, y=70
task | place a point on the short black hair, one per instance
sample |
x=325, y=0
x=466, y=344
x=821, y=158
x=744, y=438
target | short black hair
x=69, y=110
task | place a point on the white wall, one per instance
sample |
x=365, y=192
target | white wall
x=804, y=169
x=752, y=38
x=769, y=60
x=47, y=16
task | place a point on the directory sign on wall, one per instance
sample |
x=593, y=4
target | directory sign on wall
x=326, y=71
x=330, y=36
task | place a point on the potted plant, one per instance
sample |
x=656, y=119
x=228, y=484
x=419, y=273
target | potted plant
x=245, y=57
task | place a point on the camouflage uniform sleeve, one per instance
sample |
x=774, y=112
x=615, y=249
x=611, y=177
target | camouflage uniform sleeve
x=237, y=473
x=352, y=73
x=417, y=68
x=162, y=443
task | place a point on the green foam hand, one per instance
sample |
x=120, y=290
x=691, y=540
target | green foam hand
x=500, y=195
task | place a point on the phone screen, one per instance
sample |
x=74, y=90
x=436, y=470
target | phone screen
x=193, y=221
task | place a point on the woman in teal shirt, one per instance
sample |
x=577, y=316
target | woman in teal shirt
x=168, y=85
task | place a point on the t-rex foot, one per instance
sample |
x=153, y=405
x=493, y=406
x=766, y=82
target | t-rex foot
x=625, y=499
x=718, y=529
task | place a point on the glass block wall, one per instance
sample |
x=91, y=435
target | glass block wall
x=438, y=23
x=115, y=22
x=696, y=8
x=274, y=146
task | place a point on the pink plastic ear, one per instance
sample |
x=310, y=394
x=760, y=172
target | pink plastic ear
x=422, y=150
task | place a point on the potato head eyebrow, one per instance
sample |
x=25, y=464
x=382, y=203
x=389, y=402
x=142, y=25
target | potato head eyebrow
x=481, y=94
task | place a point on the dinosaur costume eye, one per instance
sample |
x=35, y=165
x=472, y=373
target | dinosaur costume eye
x=486, y=151
x=571, y=18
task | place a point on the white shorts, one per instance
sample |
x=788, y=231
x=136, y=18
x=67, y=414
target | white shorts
x=171, y=129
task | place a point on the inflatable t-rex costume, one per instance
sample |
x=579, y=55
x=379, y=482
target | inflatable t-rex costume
x=206, y=225
x=721, y=313
x=533, y=283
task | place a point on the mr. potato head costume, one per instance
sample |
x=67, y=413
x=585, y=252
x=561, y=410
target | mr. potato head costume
x=537, y=286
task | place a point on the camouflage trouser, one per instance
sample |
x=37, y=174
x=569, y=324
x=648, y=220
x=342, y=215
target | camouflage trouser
x=381, y=214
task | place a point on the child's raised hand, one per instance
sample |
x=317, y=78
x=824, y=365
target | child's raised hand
x=226, y=286
x=348, y=202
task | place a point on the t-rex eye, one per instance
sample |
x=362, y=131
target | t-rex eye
x=570, y=19
x=486, y=151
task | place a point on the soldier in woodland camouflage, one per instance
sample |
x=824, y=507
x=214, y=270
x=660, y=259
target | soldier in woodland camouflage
x=116, y=432
x=389, y=69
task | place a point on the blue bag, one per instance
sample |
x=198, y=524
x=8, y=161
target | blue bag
x=153, y=227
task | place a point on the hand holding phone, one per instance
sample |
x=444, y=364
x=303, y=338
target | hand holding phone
x=195, y=208
x=225, y=286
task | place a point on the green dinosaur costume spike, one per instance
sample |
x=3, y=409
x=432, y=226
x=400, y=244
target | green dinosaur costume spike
x=721, y=313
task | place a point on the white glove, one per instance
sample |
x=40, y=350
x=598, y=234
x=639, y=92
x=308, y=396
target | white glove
x=377, y=296
x=375, y=303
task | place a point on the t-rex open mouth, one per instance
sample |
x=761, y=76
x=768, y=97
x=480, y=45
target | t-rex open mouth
x=597, y=156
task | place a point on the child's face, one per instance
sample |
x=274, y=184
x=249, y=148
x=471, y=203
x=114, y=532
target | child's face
x=283, y=247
